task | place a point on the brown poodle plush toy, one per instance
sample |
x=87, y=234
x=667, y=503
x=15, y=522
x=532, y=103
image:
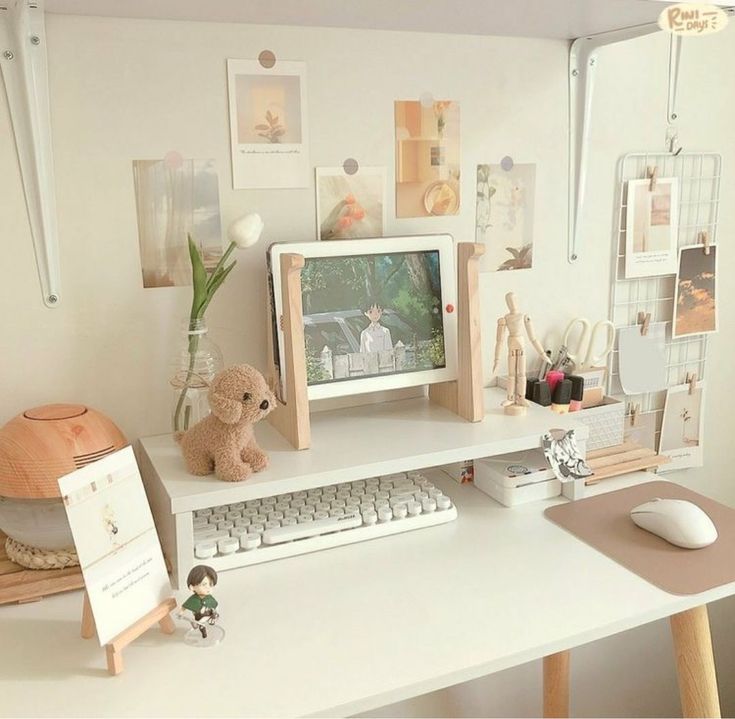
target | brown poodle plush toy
x=224, y=441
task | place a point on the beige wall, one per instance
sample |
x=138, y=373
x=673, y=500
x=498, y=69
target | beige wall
x=124, y=90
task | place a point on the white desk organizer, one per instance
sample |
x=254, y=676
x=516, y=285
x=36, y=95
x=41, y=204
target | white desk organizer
x=405, y=435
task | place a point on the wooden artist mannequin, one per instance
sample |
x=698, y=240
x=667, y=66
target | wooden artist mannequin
x=514, y=323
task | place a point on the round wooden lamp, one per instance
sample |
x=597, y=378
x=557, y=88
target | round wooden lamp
x=36, y=448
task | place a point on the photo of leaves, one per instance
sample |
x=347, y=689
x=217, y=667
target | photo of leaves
x=505, y=215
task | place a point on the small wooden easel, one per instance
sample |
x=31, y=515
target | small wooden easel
x=114, y=648
x=463, y=396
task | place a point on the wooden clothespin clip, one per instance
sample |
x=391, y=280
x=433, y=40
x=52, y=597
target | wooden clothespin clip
x=692, y=381
x=634, y=411
x=652, y=174
x=644, y=319
x=704, y=240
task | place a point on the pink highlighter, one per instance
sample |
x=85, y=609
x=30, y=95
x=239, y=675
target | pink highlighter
x=553, y=377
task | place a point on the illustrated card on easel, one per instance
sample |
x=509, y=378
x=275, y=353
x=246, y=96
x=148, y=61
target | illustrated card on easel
x=682, y=430
x=114, y=535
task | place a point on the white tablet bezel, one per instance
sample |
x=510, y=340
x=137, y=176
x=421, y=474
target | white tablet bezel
x=444, y=244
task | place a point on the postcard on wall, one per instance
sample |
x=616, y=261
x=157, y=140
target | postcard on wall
x=268, y=124
x=350, y=206
x=695, y=306
x=504, y=216
x=682, y=427
x=176, y=198
x=427, y=158
x=114, y=535
x=651, y=227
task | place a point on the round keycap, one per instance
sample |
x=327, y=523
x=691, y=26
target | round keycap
x=305, y=518
x=369, y=517
x=337, y=512
x=413, y=508
x=238, y=532
x=385, y=514
x=200, y=522
x=291, y=512
x=205, y=550
x=288, y=521
x=253, y=503
x=272, y=524
x=256, y=528
x=282, y=506
x=250, y=541
x=267, y=501
x=222, y=509
x=308, y=509
x=250, y=512
x=203, y=512
x=225, y=524
x=233, y=515
x=217, y=517
x=399, y=511
x=428, y=504
x=237, y=507
x=443, y=502
x=322, y=506
x=298, y=503
x=299, y=495
x=244, y=522
x=228, y=545
x=321, y=514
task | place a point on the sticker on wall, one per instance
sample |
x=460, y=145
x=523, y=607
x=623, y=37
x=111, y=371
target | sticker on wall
x=427, y=157
x=176, y=197
x=693, y=19
x=505, y=215
x=695, y=307
x=268, y=124
x=350, y=205
x=651, y=227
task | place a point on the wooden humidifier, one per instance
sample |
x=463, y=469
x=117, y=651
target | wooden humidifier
x=36, y=448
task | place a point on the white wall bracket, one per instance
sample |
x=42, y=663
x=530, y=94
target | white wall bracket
x=25, y=73
x=583, y=60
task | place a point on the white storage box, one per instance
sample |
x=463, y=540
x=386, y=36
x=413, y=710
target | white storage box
x=517, y=477
x=606, y=423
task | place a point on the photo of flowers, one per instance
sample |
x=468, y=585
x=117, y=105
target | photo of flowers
x=651, y=227
x=505, y=215
x=682, y=426
x=175, y=198
x=268, y=124
x=350, y=206
x=695, y=308
x=427, y=158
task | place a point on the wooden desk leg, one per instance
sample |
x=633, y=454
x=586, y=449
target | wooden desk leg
x=695, y=663
x=556, y=685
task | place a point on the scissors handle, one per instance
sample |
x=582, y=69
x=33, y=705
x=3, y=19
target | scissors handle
x=575, y=354
x=596, y=360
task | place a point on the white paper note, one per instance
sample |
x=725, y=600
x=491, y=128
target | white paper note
x=642, y=359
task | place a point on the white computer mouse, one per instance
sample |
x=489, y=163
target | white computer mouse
x=677, y=521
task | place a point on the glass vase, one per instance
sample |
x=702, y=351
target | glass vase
x=196, y=361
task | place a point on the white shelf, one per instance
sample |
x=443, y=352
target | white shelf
x=358, y=442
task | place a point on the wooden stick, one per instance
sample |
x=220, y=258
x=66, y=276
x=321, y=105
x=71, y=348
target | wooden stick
x=614, y=459
x=88, y=626
x=615, y=449
x=556, y=684
x=695, y=663
x=636, y=465
x=465, y=395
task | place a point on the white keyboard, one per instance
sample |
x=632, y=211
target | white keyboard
x=298, y=522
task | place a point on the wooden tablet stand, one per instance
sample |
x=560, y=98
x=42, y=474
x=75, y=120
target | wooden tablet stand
x=463, y=396
x=159, y=614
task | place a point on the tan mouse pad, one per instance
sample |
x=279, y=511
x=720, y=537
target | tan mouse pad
x=604, y=523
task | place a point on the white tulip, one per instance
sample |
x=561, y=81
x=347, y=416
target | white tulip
x=245, y=231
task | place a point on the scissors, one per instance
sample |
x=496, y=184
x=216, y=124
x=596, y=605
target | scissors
x=581, y=356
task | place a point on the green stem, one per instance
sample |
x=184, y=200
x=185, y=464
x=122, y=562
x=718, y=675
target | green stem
x=193, y=347
x=220, y=264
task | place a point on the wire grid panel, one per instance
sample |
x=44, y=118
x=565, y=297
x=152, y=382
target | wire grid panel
x=699, y=196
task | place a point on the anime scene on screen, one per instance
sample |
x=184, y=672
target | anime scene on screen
x=368, y=315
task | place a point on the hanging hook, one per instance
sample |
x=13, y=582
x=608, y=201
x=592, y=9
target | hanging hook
x=674, y=61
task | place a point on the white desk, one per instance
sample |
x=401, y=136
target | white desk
x=303, y=635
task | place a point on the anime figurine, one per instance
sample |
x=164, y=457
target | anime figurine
x=375, y=337
x=200, y=609
x=514, y=323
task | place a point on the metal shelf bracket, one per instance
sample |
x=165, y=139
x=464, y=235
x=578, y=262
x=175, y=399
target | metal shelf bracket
x=583, y=61
x=24, y=68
